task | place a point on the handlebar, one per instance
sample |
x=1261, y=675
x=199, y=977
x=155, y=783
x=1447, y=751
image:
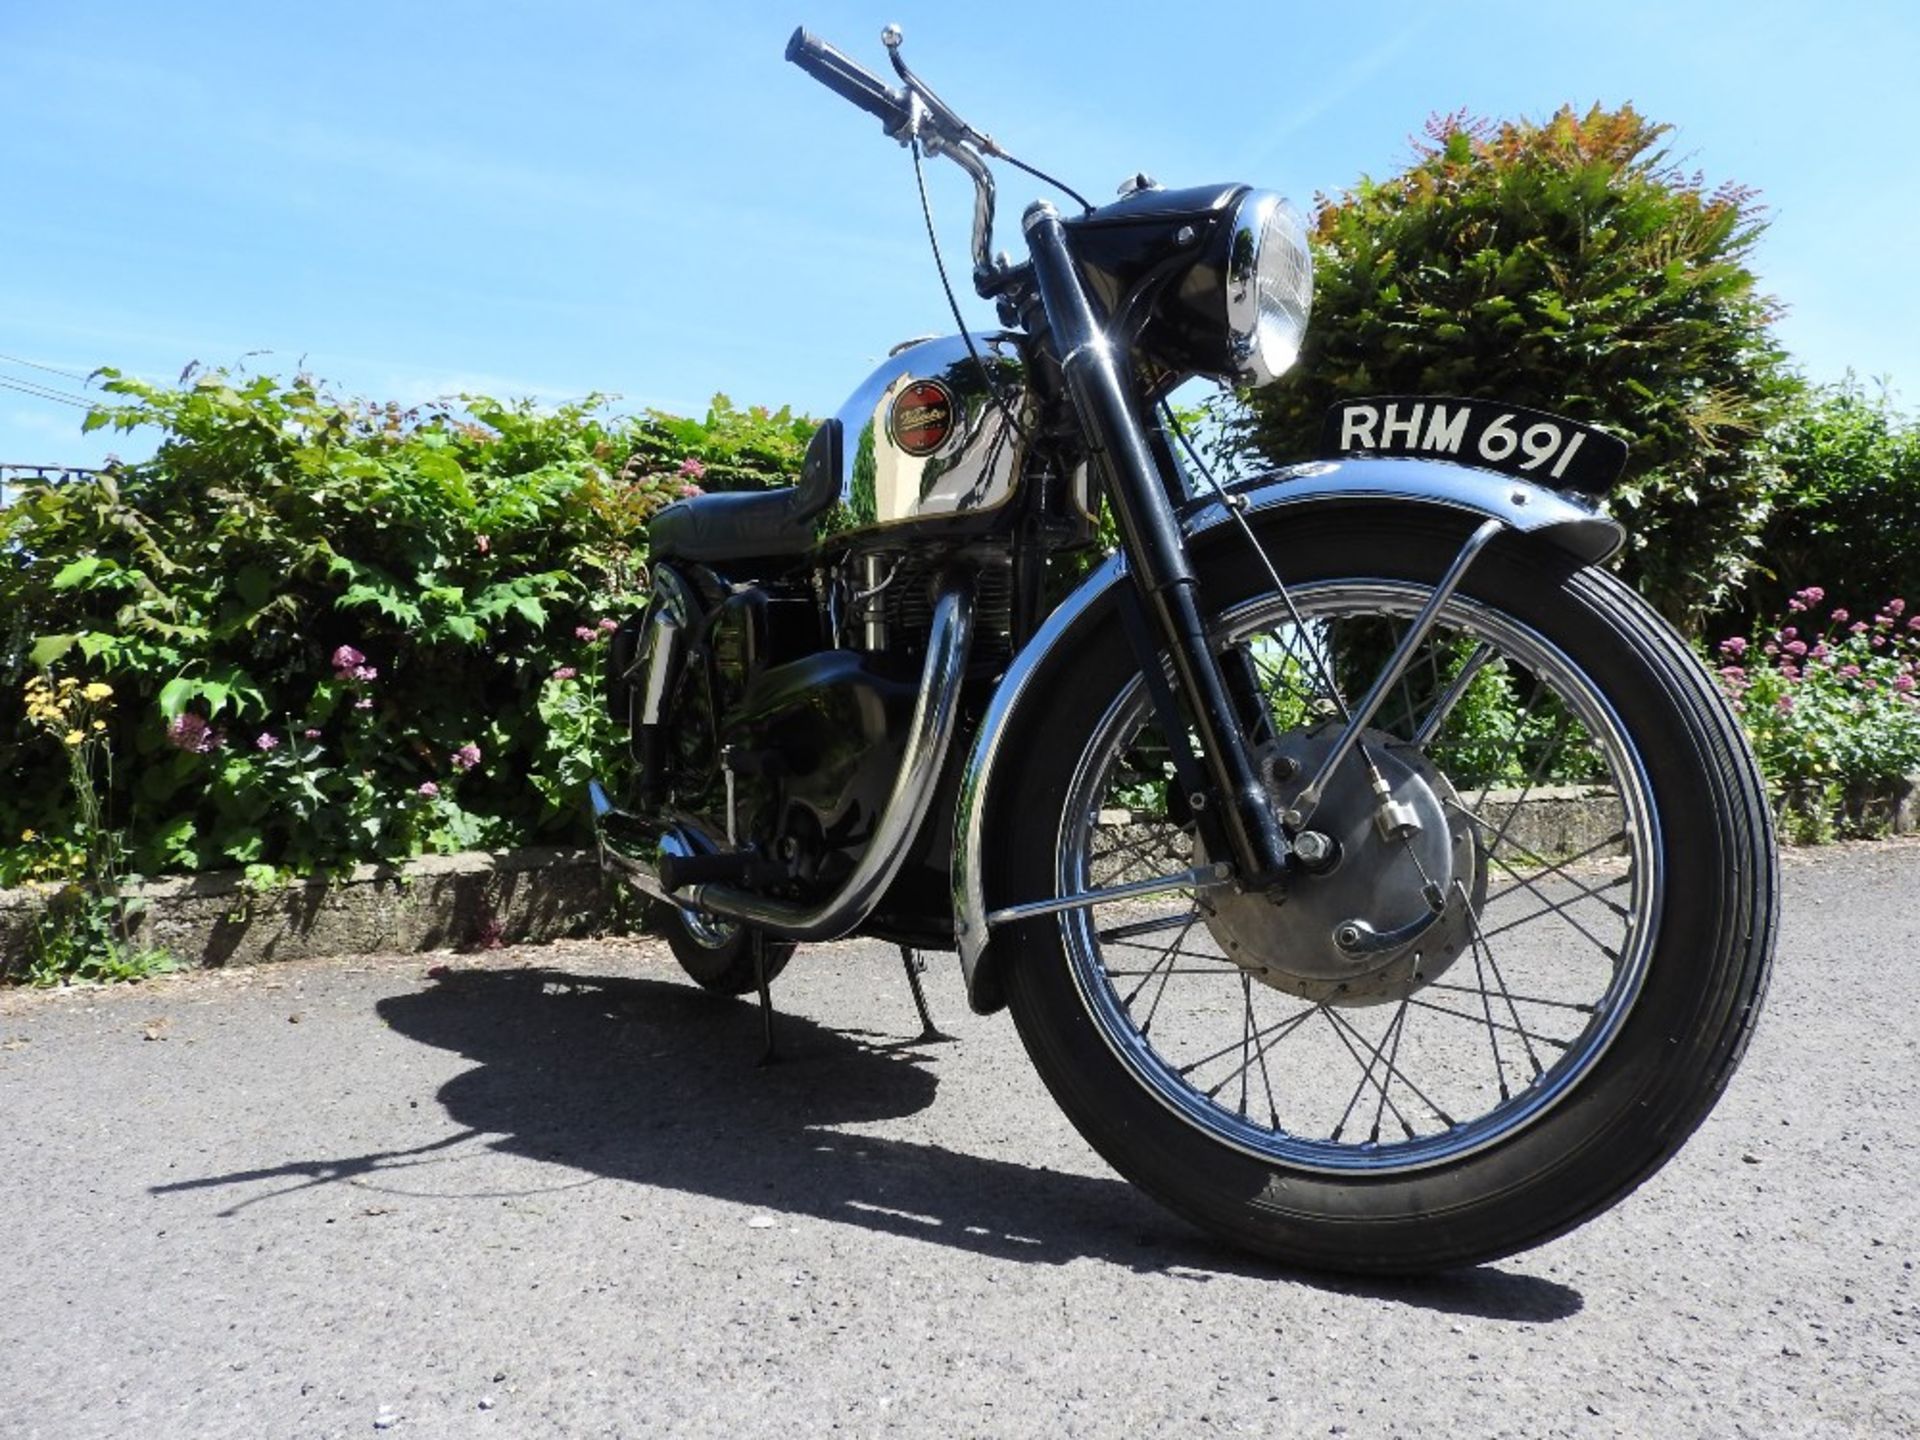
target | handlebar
x=848, y=79
x=913, y=115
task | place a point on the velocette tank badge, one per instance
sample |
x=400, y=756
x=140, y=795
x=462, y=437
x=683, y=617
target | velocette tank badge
x=922, y=417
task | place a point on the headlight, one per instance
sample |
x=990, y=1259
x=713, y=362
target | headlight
x=1269, y=286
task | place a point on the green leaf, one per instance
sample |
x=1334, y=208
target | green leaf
x=48, y=649
x=76, y=571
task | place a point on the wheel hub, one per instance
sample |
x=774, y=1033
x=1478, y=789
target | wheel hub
x=1390, y=910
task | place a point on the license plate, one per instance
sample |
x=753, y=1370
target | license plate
x=1560, y=453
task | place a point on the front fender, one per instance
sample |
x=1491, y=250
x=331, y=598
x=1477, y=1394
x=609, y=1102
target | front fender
x=1526, y=508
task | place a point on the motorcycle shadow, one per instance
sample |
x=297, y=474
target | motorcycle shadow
x=650, y=1082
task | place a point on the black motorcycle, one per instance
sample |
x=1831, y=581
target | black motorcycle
x=1374, y=879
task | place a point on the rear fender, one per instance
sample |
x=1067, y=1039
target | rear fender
x=1528, y=509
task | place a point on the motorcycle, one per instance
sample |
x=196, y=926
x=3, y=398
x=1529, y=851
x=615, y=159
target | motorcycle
x=1373, y=878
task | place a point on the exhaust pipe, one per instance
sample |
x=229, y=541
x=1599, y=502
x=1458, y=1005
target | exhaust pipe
x=630, y=845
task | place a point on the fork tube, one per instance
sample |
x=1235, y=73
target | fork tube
x=1155, y=546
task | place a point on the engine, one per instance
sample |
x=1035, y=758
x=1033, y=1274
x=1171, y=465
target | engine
x=768, y=717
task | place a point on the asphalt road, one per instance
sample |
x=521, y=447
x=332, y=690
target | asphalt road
x=548, y=1194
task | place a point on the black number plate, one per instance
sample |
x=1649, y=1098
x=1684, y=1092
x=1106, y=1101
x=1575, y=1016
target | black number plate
x=1560, y=453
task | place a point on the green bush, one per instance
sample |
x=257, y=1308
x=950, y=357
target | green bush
x=1848, y=512
x=340, y=632
x=1572, y=267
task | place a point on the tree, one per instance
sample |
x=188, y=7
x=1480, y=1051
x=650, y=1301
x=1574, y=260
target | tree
x=1573, y=267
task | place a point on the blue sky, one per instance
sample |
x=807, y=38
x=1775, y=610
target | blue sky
x=415, y=199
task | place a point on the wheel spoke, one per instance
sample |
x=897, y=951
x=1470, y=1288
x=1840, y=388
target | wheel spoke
x=1475, y=1020
x=1125, y=933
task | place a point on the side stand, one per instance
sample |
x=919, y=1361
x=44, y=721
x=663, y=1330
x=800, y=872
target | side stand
x=770, y=1054
x=915, y=965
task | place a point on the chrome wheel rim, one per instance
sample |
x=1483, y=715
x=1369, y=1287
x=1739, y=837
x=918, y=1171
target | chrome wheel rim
x=710, y=932
x=1559, y=947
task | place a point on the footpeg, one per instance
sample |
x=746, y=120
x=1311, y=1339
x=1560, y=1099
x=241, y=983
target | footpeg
x=734, y=868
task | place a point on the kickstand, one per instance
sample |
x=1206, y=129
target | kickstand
x=914, y=966
x=770, y=1053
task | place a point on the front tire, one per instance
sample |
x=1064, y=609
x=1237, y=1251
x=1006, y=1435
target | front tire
x=1468, y=1100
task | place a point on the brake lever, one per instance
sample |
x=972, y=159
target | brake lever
x=947, y=126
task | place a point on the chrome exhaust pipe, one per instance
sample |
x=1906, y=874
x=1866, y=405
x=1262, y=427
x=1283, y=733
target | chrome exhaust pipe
x=630, y=846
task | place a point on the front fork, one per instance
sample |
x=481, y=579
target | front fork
x=1244, y=824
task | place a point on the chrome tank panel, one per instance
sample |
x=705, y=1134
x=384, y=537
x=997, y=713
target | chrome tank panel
x=901, y=461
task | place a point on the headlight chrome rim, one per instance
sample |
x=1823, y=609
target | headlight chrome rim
x=1250, y=254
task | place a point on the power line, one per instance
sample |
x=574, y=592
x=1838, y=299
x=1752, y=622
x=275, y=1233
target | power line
x=41, y=392
x=50, y=369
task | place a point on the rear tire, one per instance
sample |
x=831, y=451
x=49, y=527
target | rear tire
x=1662, y=1033
x=718, y=955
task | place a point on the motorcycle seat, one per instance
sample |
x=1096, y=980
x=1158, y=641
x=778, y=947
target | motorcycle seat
x=753, y=524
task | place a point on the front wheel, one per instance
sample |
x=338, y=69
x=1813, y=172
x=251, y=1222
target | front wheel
x=1528, y=960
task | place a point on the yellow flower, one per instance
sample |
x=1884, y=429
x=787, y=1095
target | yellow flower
x=74, y=737
x=99, y=724
x=98, y=690
x=27, y=837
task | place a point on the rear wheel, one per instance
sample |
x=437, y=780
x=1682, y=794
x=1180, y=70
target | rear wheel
x=1524, y=971
x=719, y=954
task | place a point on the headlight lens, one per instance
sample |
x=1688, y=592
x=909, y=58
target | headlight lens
x=1269, y=286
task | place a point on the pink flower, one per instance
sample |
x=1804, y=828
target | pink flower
x=1859, y=627
x=310, y=734
x=428, y=789
x=1796, y=604
x=1789, y=633
x=1896, y=606
x=466, y=757
x=692, y=468
x=1840, y=617
x=1812, y=595
x=1913, y=622
x=1797, y=648
x=609, y=624
x=346, y=657
x=565, y=672
x=1783, y=704
x=688, y=488
x=266, y=740
x=585, y=633
x=1903, y=683
x=1734, y=645
x=1848, y=672
x=483, y=543
x=193, y=734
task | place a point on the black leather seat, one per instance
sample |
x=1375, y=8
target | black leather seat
x=752, y=524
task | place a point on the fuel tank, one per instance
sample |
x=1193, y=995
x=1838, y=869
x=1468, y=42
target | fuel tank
x=926, y=439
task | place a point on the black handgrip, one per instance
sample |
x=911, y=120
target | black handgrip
x=847, y=79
